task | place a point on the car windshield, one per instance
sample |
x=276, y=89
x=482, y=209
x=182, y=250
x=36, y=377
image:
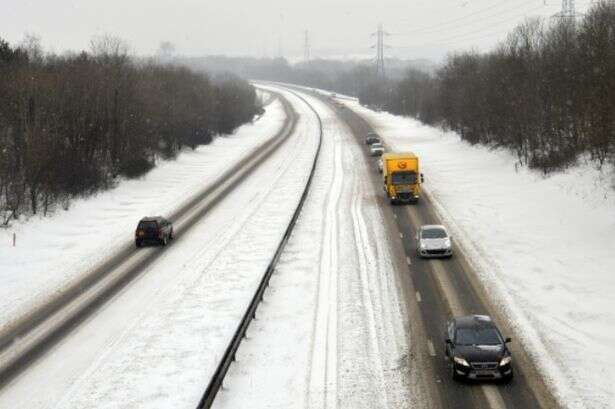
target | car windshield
x=403, y=178
x=435, y=233
x=477, y=336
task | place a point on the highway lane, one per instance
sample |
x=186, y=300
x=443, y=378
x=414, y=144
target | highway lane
x=439, y=289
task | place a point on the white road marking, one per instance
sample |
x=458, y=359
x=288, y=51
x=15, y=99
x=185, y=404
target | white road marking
x=432, y=350
x=401, y=235
x=493, y=396
x=395, y=215
x=418, y=297
x=408, y=260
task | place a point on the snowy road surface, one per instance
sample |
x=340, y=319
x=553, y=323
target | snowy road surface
x=53, y=252
x=331, y=332
x=158, y=341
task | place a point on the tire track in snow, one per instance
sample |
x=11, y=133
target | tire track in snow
x=365, y=259
x=322, y=384
x=374, y=301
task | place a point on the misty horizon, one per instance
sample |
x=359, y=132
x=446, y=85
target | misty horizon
x=338, y=29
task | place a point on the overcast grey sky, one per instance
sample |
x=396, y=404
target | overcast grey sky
x=419, y=28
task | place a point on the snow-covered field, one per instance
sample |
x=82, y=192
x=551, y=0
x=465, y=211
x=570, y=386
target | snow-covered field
x=543, y=247
x=331, y=332
x=52, y=252
x=157, y=343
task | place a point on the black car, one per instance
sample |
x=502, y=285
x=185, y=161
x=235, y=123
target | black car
x=157, y=230
x=476, y=349
x=372, y=138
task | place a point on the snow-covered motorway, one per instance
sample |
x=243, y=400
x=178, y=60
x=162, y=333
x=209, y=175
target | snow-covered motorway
x=352, y=318
x=364, y=316
x=173, y=321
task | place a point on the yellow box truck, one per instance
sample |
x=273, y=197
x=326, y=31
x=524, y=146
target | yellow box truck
x=402, y=178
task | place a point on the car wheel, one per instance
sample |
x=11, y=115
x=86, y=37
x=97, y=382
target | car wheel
x=171, y=236
x=138, y=244
x=508, y=378
x=164, y=241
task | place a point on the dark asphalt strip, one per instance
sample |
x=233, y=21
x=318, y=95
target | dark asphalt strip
x=433, y=311
x=516, y=394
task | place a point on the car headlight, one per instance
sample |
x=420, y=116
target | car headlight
x=422, y=245
x=459, y=360
x=506, y=360
x=447, y=243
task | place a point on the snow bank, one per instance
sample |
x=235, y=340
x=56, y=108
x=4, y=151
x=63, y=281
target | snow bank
x=544, y=246
x=53, y=251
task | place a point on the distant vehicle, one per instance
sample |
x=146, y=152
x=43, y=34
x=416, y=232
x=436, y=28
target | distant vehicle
x=380, y=165
x=157, y=230
x=372, y=138
x=376, y=149
x=402, y=179
x=433, y=240
x=475, y=349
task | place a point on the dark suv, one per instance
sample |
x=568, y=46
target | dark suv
x=157, y=230
x=372, y=138
x=475, y=349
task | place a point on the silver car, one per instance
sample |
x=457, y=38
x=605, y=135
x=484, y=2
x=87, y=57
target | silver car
x=376, y=149
x=433, y=240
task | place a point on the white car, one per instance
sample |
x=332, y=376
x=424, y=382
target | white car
x=376, y=149
x=433, y=240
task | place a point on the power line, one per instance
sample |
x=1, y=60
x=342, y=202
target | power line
x=437, y=29
x=462, y=35
x=447, y=23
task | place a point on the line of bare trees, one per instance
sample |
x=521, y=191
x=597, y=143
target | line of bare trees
x=547, y=92
x=70, y=125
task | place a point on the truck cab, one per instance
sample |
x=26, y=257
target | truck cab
x=402, y=177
